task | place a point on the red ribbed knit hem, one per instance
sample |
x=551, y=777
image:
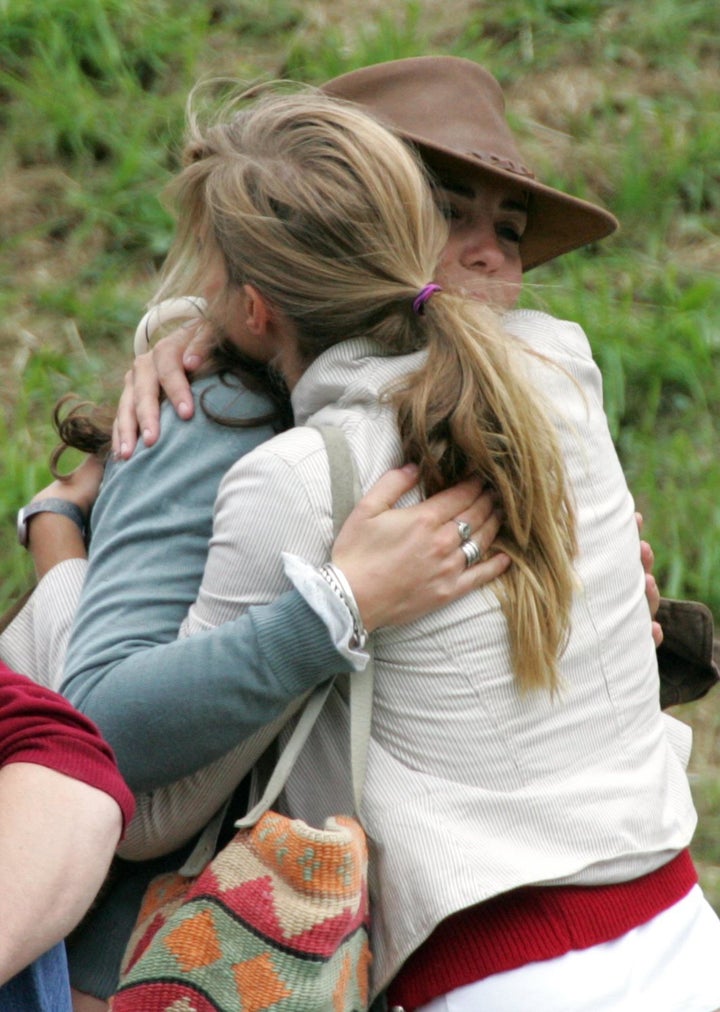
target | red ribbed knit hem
x=532, y=924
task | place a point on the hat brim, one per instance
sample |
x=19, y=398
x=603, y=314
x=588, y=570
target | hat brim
x=557, y=222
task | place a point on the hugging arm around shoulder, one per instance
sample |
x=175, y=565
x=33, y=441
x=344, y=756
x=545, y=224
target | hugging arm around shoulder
x=253, y=673
x=170, y=706
x=170, y=711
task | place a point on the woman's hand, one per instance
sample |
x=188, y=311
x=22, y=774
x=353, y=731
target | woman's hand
x=403, y=563
x=163, y=368
x=651, y=588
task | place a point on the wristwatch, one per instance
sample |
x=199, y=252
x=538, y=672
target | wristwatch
x=62, y=506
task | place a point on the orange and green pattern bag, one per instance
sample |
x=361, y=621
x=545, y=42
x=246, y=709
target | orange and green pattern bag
x=278, y=920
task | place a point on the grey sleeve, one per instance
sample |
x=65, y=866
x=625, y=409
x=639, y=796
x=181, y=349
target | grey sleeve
x=169, y=706
x=169, y=710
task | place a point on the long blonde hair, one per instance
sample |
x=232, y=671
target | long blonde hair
x=332, y=218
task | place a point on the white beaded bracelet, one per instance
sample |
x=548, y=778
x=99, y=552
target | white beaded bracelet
x=335, y=579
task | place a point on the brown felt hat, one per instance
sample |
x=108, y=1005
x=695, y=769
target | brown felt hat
x=454, y=111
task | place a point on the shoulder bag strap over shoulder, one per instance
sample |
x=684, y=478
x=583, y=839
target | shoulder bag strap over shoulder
x=345, y=491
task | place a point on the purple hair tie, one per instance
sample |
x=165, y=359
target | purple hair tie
x=422, y=296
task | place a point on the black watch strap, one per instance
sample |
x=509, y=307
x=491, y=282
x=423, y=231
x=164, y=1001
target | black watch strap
x=61, y=506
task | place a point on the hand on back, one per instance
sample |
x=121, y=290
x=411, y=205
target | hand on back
x=163, y=369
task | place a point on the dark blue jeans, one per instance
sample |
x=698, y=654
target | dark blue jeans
x=41, y=987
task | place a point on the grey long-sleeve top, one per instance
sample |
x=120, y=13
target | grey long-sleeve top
x=168, y=707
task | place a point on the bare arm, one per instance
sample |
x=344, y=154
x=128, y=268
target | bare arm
x=57, y=838
x=53, y=538
x=62, y=809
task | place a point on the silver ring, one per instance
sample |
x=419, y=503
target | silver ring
x=471, y=551
x=464, y=530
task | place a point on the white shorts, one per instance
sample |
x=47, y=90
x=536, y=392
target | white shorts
x=670, y=964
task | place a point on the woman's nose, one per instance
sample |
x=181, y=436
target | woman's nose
x=482, y=250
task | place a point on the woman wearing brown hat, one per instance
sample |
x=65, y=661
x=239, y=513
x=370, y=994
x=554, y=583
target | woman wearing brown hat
x=526, y=801
x=453, y=111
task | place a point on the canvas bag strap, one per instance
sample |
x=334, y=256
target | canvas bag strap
x=345, y=491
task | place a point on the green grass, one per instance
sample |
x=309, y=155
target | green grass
x=394, y=34
x=654, y=330
x=616, y=101
x=40, y=375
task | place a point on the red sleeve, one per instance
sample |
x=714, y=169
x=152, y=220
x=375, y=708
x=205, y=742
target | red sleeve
x=40, y=726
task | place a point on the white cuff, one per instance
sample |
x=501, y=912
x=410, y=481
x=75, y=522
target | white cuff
x=327, y=606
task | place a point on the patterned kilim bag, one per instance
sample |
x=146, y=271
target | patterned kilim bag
x=279, y=918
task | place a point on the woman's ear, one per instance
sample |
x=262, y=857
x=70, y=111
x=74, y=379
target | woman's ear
x=258, y=314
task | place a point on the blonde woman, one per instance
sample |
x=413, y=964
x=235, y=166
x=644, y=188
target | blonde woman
x=526, y=800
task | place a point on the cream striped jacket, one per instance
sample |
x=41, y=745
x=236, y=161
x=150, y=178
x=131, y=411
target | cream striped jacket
x=471, y=789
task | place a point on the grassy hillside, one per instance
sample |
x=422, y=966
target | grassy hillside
x=616, y=101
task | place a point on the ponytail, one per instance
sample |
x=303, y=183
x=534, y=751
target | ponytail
x=469, y=410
